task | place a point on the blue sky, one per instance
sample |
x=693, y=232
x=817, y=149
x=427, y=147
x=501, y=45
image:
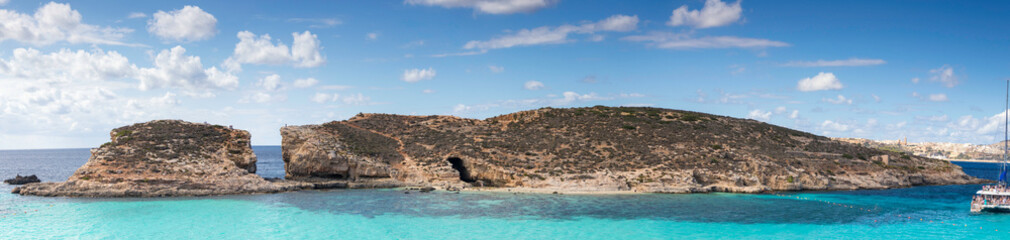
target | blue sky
x=926, y=70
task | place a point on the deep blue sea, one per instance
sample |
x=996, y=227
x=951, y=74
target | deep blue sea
x=934, y=212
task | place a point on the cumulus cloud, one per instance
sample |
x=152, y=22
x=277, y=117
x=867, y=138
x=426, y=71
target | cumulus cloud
x=945, y=75
x=851, y=62
x=271, y=82
x=67, y=92
x=757, y=114
x=838, y=100
x=533, y=85
x=939, y=97
x=795, y=114
x=414, y=75
x=56, y=22
x=304, y=52
x=172, y=68
x=823, y=81
x=305, y=82
x=715, y=13
x=372, y=35
x=676, y=41
x=555, y=35
x=183, y=25
x=489, y=6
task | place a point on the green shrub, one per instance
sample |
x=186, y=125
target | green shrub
x=716, y=146
x=121, y=133
x=690, y=117
x=629, y=127
x=849, y=156
x=789, y=179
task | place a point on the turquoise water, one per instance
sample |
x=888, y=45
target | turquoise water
x=391, y=214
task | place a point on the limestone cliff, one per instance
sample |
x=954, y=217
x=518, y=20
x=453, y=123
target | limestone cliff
x=166, y=158
x=596, y=149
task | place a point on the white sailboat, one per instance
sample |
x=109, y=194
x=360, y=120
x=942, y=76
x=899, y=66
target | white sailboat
x=996, y=197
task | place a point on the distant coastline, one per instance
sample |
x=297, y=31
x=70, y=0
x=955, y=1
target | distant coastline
x=973, y=160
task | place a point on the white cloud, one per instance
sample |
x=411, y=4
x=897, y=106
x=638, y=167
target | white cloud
x=55, y=22
x=461, y=108
x=945, y=75
x=414, y=75
x=823, y=81
x=838, y=100
x=133, y=15
x=270, y=83
x=687, y=41
x=305, y=82
x=940, y=118
x=715, y=13
x=915, y=80
x=795, y=114
x=260, y=50
x=372, y=35
x=489, y=6
x=631, y=95
x=555, y=35
x=496, y=69
x=325, y=97
x=851, y=62
x=571, y=97
x=428, y=91
x=832, y=126
x=4, y=2
x=172, y=68
x=356, y=99
x=66, y=66
x=939, y=97
x=305, y=50
x=533, y=85
x=757, y=114
x=875, y=98
x=183, y=25
x=780, y=110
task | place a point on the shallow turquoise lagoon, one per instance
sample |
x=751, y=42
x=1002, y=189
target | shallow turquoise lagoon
x=391, y=214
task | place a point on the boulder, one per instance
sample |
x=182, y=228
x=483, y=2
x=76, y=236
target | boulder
x=19, y=180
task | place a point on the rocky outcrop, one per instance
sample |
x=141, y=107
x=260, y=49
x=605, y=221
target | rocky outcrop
x=167, y=158
x=598, y=149
x=19, y=180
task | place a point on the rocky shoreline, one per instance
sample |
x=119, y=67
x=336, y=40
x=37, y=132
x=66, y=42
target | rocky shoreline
x=598, y=150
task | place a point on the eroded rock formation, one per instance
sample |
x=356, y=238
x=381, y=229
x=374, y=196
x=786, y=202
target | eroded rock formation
x=596, y=149
x=167, y=158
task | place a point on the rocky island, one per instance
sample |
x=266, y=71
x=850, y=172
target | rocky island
x=167, y=158
x=596, y=149
x=589, y=150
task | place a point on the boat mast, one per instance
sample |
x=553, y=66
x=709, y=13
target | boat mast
x=1006, y=120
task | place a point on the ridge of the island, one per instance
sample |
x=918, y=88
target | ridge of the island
x=574, y=150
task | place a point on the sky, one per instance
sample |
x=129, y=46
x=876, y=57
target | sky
x=926, y=70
